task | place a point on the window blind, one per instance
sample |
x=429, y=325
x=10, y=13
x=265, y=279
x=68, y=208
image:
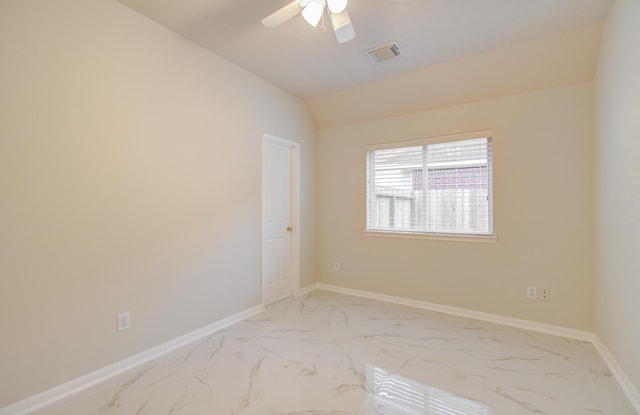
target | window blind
x=432, y=186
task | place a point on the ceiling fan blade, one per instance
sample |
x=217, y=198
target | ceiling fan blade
x=280, y=16
x=342, y=26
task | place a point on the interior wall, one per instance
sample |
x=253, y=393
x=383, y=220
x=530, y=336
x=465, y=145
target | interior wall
x=618, y=187
x=129, y=181
x=543, y=211
x=545, y=62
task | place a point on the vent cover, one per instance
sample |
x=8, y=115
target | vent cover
x=384, y=52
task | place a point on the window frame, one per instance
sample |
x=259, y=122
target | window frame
x=412, y=234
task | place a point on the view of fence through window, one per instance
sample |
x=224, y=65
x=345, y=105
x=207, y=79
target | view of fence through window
x=431, y=188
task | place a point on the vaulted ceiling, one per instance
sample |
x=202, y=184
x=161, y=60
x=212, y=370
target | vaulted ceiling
x=309, y=63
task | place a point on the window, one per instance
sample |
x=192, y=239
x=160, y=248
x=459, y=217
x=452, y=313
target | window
x=432, y=186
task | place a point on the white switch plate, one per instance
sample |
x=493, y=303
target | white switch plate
x=336, y=266
x=124, y=321
x=532, y=293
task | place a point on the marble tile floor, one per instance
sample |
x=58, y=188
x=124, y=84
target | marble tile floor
x=320, y=353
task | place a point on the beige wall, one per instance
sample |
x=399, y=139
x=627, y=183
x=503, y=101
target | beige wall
x=544, y=62
x=618, y=187
x=129, y=180
x=543, y=196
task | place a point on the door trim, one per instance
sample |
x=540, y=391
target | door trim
x=294, y=149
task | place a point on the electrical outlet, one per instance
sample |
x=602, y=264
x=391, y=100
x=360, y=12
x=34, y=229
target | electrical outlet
x=546, y=294
x=124, y=321
x=532, y=293
x=336, y=266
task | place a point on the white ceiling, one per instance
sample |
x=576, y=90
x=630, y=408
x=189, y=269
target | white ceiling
x=310, y=63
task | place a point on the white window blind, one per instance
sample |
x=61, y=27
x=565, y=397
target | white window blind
x=437, y=186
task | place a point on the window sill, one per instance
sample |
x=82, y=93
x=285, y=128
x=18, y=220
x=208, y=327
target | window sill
x=487, y=239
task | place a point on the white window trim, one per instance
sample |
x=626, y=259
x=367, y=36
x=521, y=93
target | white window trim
x=431, y=140
x=487, y=239
x=453, y=237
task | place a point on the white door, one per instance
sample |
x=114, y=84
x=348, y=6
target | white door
x=277, y=226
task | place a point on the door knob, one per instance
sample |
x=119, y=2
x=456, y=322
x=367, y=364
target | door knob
x=289, y=229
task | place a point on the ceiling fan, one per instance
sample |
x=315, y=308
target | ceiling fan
x=312, y=11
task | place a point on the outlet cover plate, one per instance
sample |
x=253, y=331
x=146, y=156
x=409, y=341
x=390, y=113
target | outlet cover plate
x=124, y=321
x=546, y=294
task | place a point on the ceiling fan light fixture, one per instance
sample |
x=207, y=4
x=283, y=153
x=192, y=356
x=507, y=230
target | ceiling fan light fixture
x=342, y=26
x=312, y=12
x=337, y=6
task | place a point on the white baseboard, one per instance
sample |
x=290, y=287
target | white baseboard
x=463, y=312
x=46, y=398
x=625, y=383
x=307, y=289
x=43, y=399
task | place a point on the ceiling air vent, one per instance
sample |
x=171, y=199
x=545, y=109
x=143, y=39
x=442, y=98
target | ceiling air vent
x=384, y=52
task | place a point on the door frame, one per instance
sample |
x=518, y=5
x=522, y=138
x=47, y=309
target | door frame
x=294, y=151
